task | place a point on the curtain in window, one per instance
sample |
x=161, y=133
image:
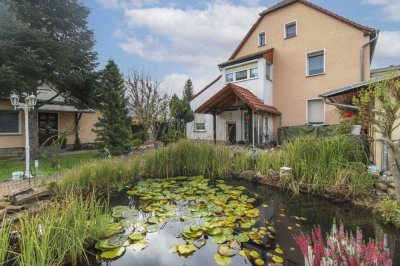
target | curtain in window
x=315, y=64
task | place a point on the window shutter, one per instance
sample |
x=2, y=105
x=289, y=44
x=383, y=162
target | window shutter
x=316, y=111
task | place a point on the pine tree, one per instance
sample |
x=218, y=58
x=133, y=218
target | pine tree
x=188, y=90
x=114, y=127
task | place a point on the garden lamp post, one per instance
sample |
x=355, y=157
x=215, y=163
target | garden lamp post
x=30, y=102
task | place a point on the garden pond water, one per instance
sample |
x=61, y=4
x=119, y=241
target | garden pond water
x=167, y=214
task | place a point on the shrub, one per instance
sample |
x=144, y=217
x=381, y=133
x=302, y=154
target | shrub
x=137, y=142
x=171, y=137
x=389, y=210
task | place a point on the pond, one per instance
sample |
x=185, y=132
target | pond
x=285, y=217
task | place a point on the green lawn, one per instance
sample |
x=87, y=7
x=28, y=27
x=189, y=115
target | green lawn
x=13, y=164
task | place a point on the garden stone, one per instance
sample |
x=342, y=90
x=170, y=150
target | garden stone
x=235, y=174
x=248, y=175
x=380, y=194
x=274, y=175
x=391, y=193
x=381, y=186
x=14, y=208
x=391, y=185
x=4, y=204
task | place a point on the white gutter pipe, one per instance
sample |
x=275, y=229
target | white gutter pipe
x=362, y=56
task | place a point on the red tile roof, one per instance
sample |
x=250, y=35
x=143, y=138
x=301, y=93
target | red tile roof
x=243, y=94
x=366, y=30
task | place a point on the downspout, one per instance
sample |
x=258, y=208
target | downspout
x=362, y=55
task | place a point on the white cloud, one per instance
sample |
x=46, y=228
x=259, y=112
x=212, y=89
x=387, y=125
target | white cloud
x=391, y=8
x=174, y=83
x=125, y=3
x=387, y=50
x=197, y=38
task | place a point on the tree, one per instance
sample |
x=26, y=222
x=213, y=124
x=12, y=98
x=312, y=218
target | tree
x=180, y=110
x=148, y=104
x=46, y=42
x=114, y=126
x=379, y=107
x=188, y=91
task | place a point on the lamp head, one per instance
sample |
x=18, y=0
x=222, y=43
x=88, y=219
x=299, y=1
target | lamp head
x=31, y=100
x=14, y=98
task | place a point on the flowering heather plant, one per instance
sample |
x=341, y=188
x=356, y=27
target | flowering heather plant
x=341, y=248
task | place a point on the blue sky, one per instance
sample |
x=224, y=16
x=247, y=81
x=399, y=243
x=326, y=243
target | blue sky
x=174, y=40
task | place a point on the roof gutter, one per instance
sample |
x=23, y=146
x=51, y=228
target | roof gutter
x=362, y=57
x=339, y=104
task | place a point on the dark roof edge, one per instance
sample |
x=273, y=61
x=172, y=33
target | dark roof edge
x=245, y=58
x=206, y=87
x=384, y=69
x=366, y=30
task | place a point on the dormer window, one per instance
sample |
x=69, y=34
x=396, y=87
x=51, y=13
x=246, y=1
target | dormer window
x=290, y=29
x=261, y=39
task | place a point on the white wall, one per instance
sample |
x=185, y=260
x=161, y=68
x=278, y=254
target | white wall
x=208, y=93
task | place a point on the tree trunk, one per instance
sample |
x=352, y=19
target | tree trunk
x=34, y=132
x=77, y=144
x=394, y=161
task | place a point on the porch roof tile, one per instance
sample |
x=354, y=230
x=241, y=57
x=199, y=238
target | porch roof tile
x=243, y=94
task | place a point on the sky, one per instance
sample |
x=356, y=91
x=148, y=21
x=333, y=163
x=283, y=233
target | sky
x=180, y=39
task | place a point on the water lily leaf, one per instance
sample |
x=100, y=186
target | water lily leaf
x=152, y=220
x=242, y=237
x=173, y=249
x=279, y=250
x=289, y=227
x=186, y=250
x=265, y=205
x=222, y=260
x=112, y=253
x=199, y=243
x=111, y=243
x=277, y=259
x=219, y=239
x=228, y=250
x=153, y=228
x=136, y=236
x=252, y=213
x=298, y=225
x=215, y=231
x=254, y=254
x=113, y=229
x=259, y=262
x=129, y=214
x=140, y=245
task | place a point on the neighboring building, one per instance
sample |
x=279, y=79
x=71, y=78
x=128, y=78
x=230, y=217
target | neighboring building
x=294, y=52
x=343, y=97
x=53, y=118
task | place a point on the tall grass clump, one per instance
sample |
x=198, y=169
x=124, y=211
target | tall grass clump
x=334, y=165
x=60, y=233
x=5, y=233
x=187, y=158
x=389, y=210
x=241, y=161
x=101, y=176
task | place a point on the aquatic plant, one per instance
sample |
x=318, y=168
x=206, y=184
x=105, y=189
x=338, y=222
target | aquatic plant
x=61, y=232
x=5, y=233
x=341, y=248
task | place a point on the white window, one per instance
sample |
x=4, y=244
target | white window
x=254, y=73
x=241, y=75
x=268, y=71
x=9, y=122
x=316, y=63
x=290, y=29
x=261, y=39
x=229, y=77
x=315, y=112
x=200, y=126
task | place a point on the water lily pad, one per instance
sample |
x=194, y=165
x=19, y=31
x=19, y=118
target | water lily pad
x=228, y=250
x=254, y=254
x=140, y=245
x=173, y=249
x=277, y=259
x=112, y=253
x=290, y=227
x=222, y=260
x=153, y=228
x=242, y=237
x=279, y=250
x=152, y=220
x=186, y=250
x=136, y=236
x=111, y=243
x=259, y=262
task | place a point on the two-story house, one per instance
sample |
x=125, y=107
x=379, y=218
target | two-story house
x=293, y=53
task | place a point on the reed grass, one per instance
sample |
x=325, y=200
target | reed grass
x=60, y=233
x=5, y=233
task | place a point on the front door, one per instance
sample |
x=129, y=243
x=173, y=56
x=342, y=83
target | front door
x=48, y=127
x=232, y=133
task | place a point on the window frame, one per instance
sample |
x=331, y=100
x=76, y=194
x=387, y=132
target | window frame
x=199, y=130
x=315, y=53
x=254, y=77
x=233, y=77
x=290, y=23
x=244, y=71
x=268, y=71
x=19, y=124
x=307, y=113
x=259, y=39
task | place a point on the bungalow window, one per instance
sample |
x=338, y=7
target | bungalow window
x=315, y=112
x=200, y=126
x=290, y=29
x=316, y=63
x=261, y=39
x=254, y=73
x=241, y=75
x=9, y=122
x=229, y=77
